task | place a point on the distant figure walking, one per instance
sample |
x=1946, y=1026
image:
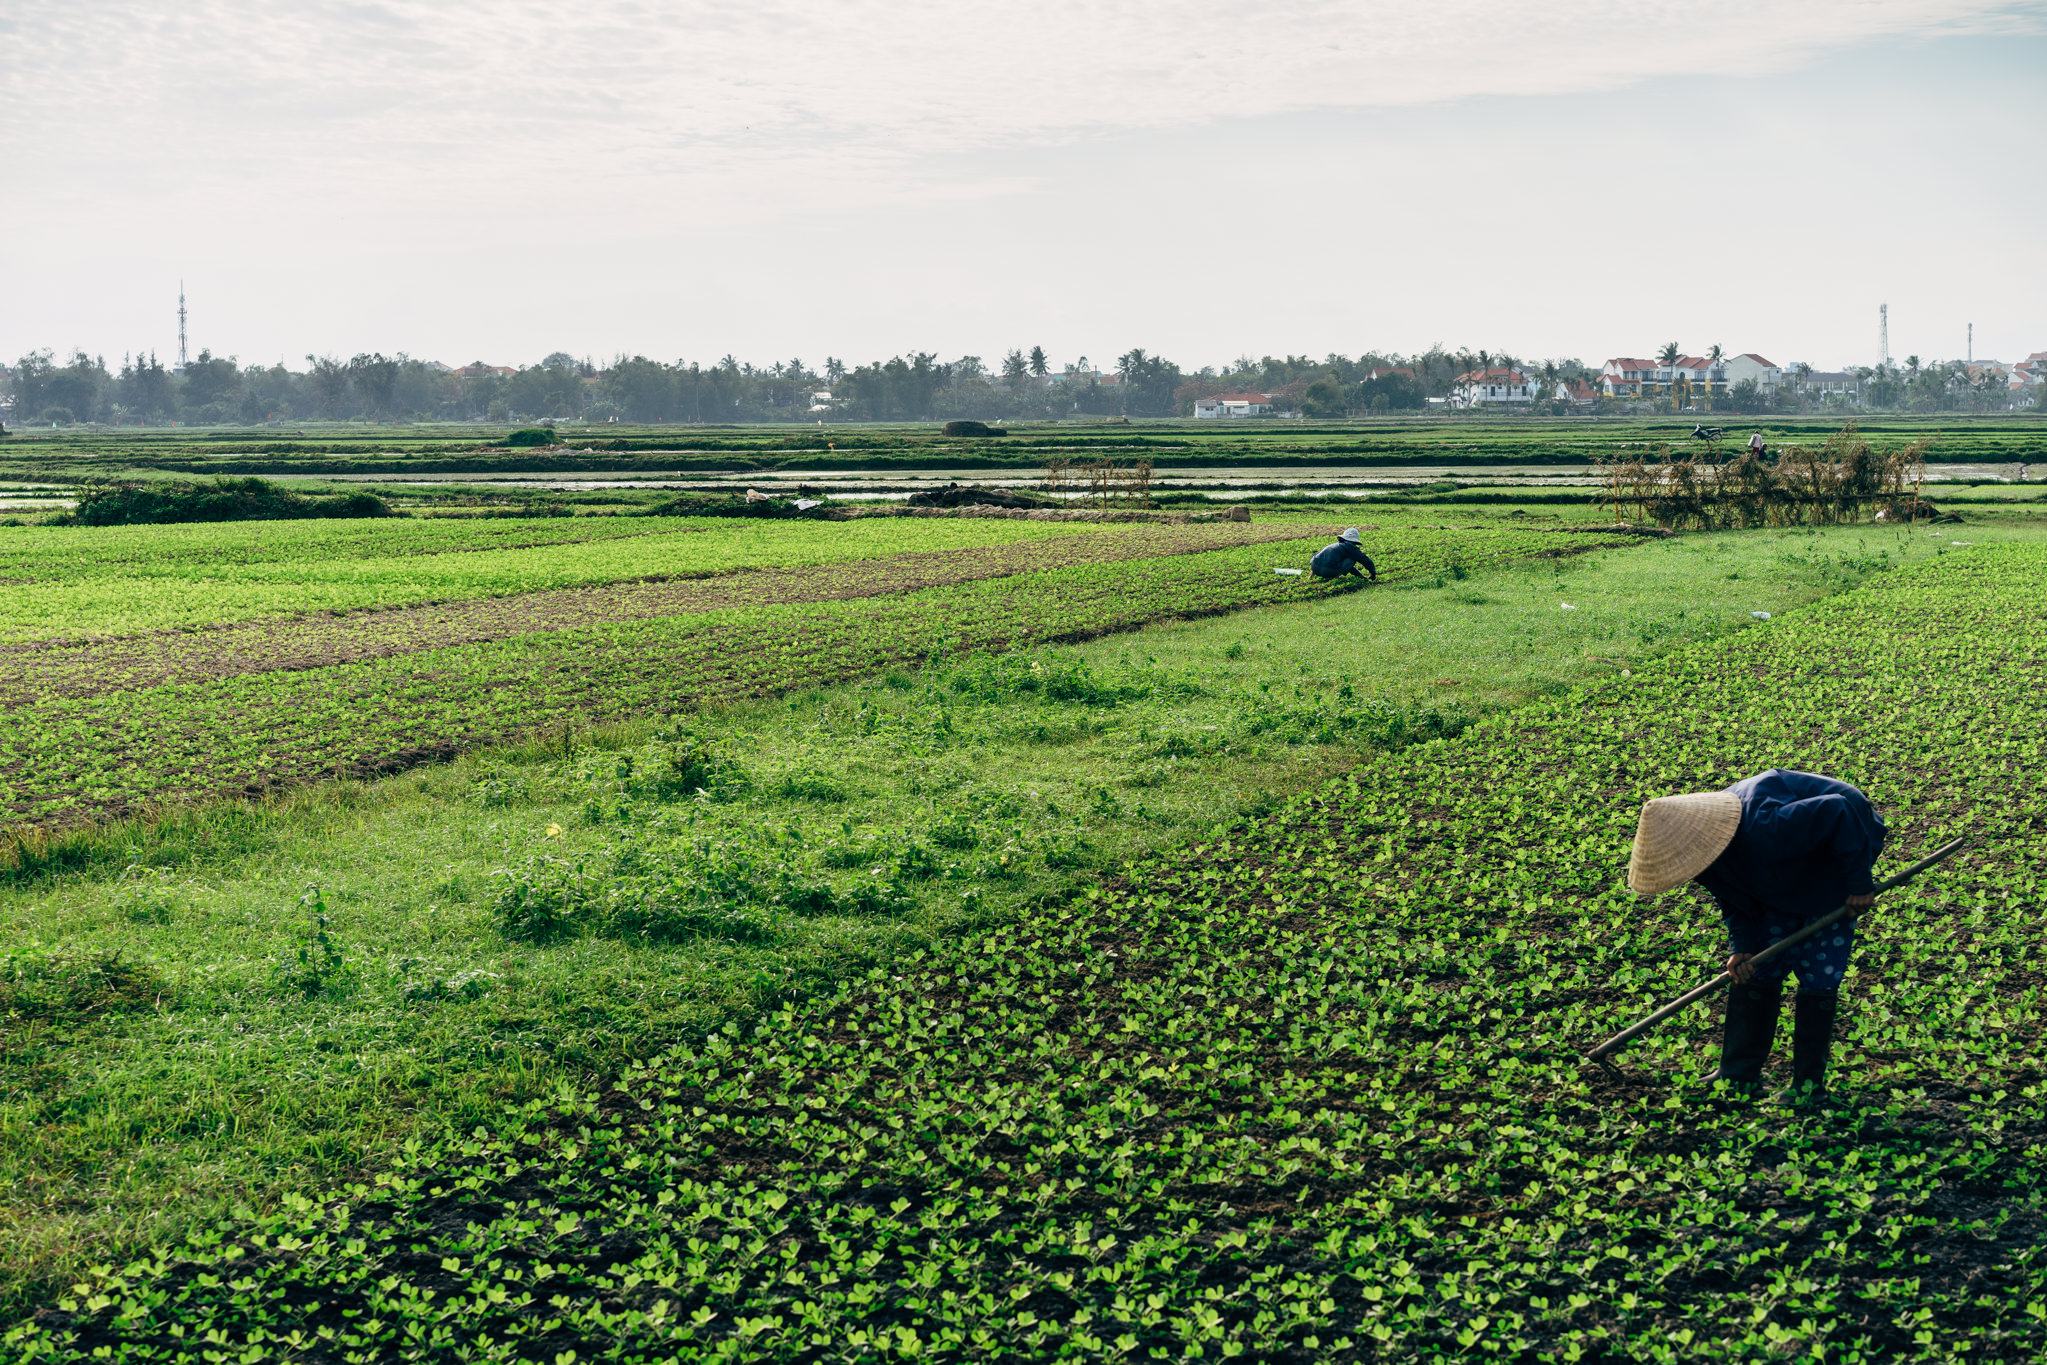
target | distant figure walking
x=1756, y=446
x=1343, y=557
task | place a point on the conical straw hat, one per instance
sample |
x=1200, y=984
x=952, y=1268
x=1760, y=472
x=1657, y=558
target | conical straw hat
x=1679, y=837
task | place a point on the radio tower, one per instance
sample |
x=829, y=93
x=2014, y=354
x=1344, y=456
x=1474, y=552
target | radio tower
x=1972, y=343
x=181, y=324
x=1883, y=334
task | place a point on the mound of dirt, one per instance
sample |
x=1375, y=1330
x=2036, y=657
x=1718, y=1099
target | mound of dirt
x=958, y=495
x=1913, y=509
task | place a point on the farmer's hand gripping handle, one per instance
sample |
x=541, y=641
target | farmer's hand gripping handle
x=1855, y=906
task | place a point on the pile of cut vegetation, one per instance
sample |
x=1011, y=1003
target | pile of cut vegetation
x=251, y=499
x=958, y=495
x=701, y=505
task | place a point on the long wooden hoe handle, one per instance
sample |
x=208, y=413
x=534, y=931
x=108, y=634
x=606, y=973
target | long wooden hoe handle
x=1620, y=1040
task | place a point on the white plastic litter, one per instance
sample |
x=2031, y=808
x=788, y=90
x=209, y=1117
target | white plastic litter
x=1961, y=542
x=1291, y=573
x=805, y=504
x=1760, y=615
x=1569, y=607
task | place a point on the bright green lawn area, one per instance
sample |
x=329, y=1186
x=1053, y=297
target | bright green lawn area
x=179, y=1041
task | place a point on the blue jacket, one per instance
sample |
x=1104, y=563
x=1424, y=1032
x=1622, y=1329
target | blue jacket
x=1333, y=561
x=1805, y=844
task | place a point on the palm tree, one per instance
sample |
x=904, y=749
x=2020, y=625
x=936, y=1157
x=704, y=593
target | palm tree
x=1507, y=363
x=1713, y=354
x=1667, y=358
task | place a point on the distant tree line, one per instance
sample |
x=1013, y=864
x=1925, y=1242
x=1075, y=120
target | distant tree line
x=1023, y=386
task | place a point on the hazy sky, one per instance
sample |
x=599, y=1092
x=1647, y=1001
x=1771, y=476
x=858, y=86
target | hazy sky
x=498, y=180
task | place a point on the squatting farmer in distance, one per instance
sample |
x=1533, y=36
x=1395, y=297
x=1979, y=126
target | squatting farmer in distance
x=1343, y=557
x=1775, y=851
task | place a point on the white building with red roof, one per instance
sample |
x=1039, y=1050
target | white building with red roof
x=1495, y=384
x=1705, y=376
x=1634, y=377
x=1768, y=375
x=1234, y=405
x=1628, y=377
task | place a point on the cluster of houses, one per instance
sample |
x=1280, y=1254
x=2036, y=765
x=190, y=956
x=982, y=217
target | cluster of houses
x=2027, y=374
x=1684, y=378
x=1687, y=375
x=1631, y=377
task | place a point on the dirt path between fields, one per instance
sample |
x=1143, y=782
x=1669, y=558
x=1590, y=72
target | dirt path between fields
x=45, y=671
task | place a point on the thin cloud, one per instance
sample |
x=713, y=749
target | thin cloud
x=398, y=96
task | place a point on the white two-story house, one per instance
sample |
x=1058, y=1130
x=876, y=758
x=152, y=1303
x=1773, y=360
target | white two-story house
x=1748, y=365
x=1627, y=377
x=1478, y=388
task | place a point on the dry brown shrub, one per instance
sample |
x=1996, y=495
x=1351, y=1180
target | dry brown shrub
x=1841, y=480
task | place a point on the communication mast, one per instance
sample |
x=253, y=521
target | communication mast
x=1972, y=343
x=181, y=324
x=1883, y=334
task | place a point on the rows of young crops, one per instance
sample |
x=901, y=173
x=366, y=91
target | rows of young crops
x=76, y=553
x=159, y=658
x=95, y=582
x=1314, y=1092
x=65, y=758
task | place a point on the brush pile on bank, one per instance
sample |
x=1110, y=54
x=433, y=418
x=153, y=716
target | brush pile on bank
x=250, y=499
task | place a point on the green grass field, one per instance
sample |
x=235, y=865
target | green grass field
x=324, y=449
x=1211, y=986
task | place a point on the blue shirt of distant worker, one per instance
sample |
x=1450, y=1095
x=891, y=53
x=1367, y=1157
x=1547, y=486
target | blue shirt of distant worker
x=1344, y=557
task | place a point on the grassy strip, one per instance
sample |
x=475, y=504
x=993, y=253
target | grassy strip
x=1307, y=1091
x=201, y=1074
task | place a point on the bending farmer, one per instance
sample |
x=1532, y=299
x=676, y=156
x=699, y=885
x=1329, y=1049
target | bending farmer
x=1343, y=557
x=1775, y=851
